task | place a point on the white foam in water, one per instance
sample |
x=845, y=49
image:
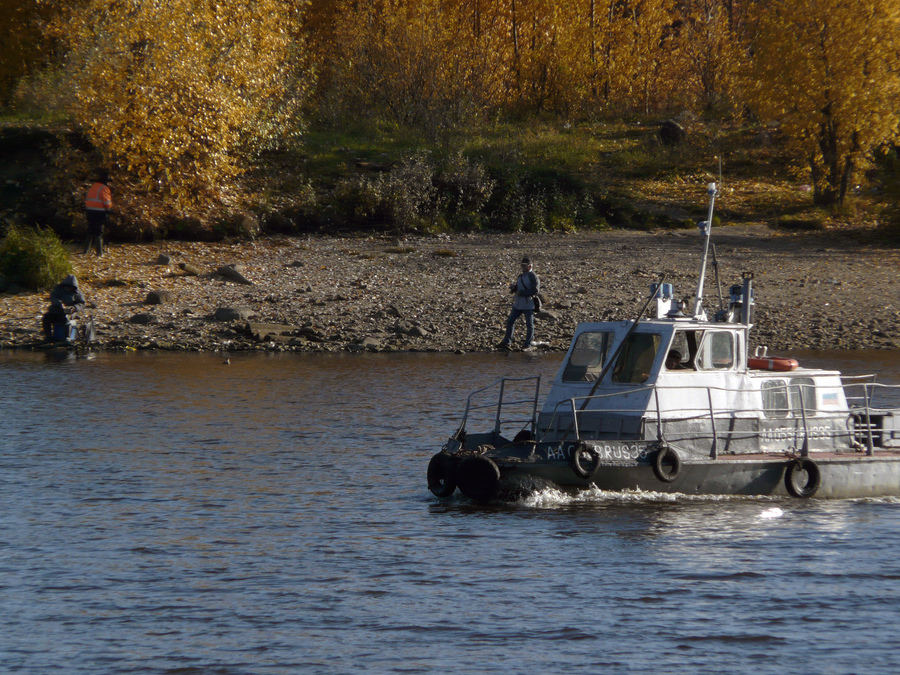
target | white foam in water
x=774, y=512
x=549, y=498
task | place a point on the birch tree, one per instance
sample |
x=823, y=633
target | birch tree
x=177, y=94
x=829, y=72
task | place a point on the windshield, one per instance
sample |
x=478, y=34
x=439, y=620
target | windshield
x=588, y=357
x=636, y=360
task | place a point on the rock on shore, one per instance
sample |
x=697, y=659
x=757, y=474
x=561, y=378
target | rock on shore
x=449, y=293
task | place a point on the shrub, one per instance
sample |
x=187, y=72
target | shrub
x=465, y=189
x=405, y=197
x=411, y=194
x=33, y=257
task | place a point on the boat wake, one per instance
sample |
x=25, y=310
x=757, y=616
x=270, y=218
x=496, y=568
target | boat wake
x=549, y=498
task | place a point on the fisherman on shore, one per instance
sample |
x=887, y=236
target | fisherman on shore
x=525, y=287
x=97, y=204
x=65, y=300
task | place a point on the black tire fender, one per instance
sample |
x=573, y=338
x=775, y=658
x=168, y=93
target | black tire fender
x=667, y=464
x=442, y=475
x=813, y=478
x=584, y=460
x=478, y=477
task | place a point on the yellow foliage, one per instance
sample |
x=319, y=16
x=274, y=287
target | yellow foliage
x=427, y=62
x=829, y=72
x=176, y=94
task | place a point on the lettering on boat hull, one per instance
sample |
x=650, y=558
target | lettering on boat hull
x=606, y=451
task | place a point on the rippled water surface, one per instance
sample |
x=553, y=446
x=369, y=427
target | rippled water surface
x=172, y=514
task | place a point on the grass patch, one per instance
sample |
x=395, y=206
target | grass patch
x=526, y=175
x=33, y=257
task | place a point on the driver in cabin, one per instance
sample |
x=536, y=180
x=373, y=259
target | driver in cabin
x=673, y=360
x=65, y=299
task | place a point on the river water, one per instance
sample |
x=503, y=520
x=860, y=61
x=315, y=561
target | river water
x=170, y=513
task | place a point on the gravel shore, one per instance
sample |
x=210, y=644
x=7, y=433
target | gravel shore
x=449, y=293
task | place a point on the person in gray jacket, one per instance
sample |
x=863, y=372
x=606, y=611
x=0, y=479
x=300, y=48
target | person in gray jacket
x=526, y=286
x=65, y=299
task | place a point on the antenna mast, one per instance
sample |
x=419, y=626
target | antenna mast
x=705, y=229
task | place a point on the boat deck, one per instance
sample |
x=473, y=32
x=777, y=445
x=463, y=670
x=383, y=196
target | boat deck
x=860, y=455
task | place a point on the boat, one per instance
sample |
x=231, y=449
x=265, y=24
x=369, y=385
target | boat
x=676, y=403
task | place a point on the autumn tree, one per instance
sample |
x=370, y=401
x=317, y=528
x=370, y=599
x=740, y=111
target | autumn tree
x=23, y=48
x=420, y=64
x=710, y=52
x=829, y=72
x=177, y=95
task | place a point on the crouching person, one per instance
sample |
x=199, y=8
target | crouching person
x=65, y=300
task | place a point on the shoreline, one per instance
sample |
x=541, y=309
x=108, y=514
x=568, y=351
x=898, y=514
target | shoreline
x=449, y=293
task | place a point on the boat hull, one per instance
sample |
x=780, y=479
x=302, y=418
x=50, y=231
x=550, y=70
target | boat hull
x=518, y=470
x=838, y=478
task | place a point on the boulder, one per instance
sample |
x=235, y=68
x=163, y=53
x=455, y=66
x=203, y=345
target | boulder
x=163, y=259
x=310, y=333
x=233, y=273
x=672, y=133
x=143, y=319
x=159, y=297
x=271, y=331
x=403, y=328
x=189, y=269
x=547, y=315
x=370, y=343
x=233, y=314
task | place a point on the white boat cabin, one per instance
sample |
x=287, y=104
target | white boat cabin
x=676, y=376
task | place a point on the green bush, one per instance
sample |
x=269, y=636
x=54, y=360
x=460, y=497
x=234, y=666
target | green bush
x=33, y=257
x=464, y=188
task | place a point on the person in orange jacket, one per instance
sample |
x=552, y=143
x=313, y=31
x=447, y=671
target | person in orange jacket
x=97, y=203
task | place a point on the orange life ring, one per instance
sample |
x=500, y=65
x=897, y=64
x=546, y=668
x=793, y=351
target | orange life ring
x=772, y=363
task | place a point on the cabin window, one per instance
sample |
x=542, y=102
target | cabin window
x=775, y=398
x=717, y=351
x=679, y=356
x=587, y=358
x=636, y=360
x=803, y=395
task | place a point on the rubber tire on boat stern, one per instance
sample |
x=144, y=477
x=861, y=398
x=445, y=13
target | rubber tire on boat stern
x=442, y=475
x=478, y=478
x=666, y=455
x=813, y=478
x=585, y=460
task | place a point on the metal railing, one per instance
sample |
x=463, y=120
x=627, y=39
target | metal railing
x=576, y=408
x=501, y=403
x=862, y=392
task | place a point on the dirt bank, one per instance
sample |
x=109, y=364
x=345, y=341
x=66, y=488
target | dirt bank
x=449, y=293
